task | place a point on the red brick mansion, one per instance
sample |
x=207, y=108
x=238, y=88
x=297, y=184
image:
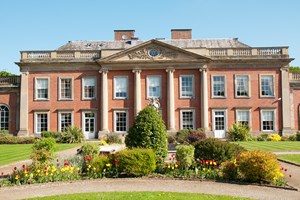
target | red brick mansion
x=100, y=86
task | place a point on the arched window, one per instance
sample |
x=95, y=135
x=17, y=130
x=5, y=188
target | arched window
x=4, y=117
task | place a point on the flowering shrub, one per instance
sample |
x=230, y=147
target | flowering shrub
x=259, y=166
x=229, y=170
x=50, y=173
x=274, y=137
x=208, y=169
x=43, y=151
x=89, y=149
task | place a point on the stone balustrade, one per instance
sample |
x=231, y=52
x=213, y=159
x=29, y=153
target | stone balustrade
x=294, y=76
x=212, y=52
x=9, y=80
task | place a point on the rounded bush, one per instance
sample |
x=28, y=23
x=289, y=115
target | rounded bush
x=136, y=162
x=196, y=136
x=274, y=137
x=148, y=131
x=185, y=155
x=238, y=132
x=214, y=149
x=257, y=166
x=71, y=135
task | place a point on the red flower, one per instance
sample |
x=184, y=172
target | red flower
x=15, y=168
x=290, y=176
x=285, y=170
x=97, y=169
x=15, y=173
x=2, y=173
x=176, y=163
x=215, y=166
x=8, y=174
x=57, y=164
x=57, y=160
x=23, y=166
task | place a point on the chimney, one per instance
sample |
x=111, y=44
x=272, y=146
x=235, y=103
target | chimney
x=181, y=34
x=124, y=34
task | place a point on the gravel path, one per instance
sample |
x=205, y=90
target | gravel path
x=110, y=185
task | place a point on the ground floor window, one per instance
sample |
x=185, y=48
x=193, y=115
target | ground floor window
x=4, y=117
x=243, y=117
x=65, y=120
x=41, y=122
x=187, y=119
x=121, y=121
x=268, y=120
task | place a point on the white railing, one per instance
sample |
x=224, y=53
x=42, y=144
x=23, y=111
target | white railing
x=9, y=80
x=294, y=76
x=244, y=52
x=60, y=55
x=38, y=54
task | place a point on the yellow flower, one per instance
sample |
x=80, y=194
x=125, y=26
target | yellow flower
x=172, y=168
x=38, y=171
x=169, y=166
x=26, y=175
x=31, y=175
x=208, y=170
x=215, y=163
x=89, y=166
x=51, y=174
x=46, y=173
x=210, y=162
x=176, y=166
x=204, y=169
x=108, y=165
x=17, y=177
x=77, y=168
x=104, y=170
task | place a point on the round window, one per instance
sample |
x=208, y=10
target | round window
x=153, y=52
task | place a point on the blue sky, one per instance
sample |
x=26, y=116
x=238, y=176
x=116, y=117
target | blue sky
x=46, y=25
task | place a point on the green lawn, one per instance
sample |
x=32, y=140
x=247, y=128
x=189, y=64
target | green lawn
x=295, y=158
x=271, y=146
x=139, y=196
x=16, y=152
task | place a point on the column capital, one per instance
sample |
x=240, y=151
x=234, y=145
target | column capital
x=204, y=69
x=103, y=70
x=136, y=70
x=170, y=69
x=285, y=68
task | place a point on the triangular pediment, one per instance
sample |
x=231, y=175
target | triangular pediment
x=153, y=50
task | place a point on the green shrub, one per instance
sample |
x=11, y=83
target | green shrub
x=185, y=156
x=298, y=136
x=238, y=132
x=171, y=139
x=229, y=170
x=43, y=151
x=113, y=139
x=136, y=162
x=293, y=137
x=10, y=139
x=257, y=166
x=196, y=136
x=214, y=149
x=284, y=138
x=71, y=135
x=4, y=132
x=182, y=136
x=274, y=137
x=149, y=131
x=90, y=149
x=52, y=134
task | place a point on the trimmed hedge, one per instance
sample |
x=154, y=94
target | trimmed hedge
x=10, y=139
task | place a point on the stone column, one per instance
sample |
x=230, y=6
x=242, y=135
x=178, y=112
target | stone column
x=104, y=101
x=204, y=100
x=23, y=131
x=137, y=91
x=285, y=98
x=171, y=103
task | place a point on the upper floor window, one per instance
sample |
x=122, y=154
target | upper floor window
x=153, y=86
x=89, y=87
x=66, y=88
x=267, y=85
x=242, y=86
x=186, y=86
x=41, y=88
x=218, y=85
x=4, y=118
x=120, y=87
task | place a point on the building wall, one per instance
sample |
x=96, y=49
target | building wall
x=296, y=104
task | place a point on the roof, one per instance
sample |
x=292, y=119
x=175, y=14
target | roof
x=181, y=43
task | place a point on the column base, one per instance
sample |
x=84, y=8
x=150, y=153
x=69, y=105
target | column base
x=171, y=131
x=286, y=131
x=102, y=133
x=23, y=133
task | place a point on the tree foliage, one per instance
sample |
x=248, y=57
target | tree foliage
x=294, y=69
x=5, y=73
x=148, y=131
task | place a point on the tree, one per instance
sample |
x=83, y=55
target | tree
x=5, y=73
x=294, y=69
x=149, y=131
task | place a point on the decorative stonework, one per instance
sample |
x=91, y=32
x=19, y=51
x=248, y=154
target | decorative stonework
x=153, y=53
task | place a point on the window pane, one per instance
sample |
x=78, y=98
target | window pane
x=89, y=122
x=267, y=85
x=121, y=122
x=89, y=87
x=42, y=122
x=4, y=118
x=66, y=88
x=120, y=87
x=218, y=86
x=242, y=87
x=268, y=120
x=153, y=83
x=243, y=117
x=42, y=88
x=187, y=120
x=65, y=120
x=186, y=86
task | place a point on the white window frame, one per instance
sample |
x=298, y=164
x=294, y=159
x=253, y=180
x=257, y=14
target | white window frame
x=115, y=120
x=181, y=92
x=260, y=86
x=36, y=120
x=181, y=117
x=36, y=88
x=236, y=86
x=225, y=118
x=83, y=121
x=59, y=118
x=72, y=88
x=243, y=110
x=274, y=120
x=212, y=86
x=160, y=86
x=115, y=87
x=83, y=88
x=8, y=118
